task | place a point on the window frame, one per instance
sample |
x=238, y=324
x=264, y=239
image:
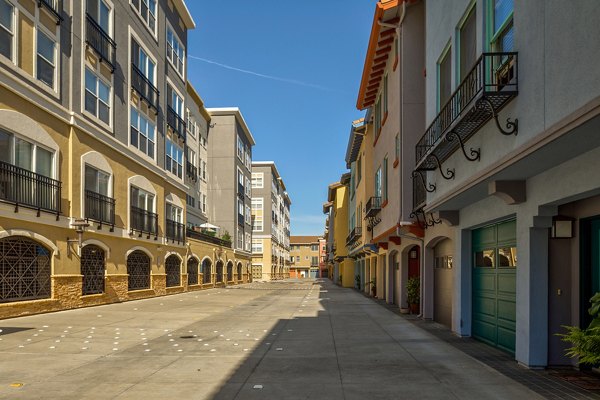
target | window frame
x=491, y=36
x=169, y=53
x=99, y=79
x=40, y=29
x=447, y=52
x=153, y=31
x=256, y=178
x=140, y=113
x=34, y=147
x=13, y=34
x=168, y=156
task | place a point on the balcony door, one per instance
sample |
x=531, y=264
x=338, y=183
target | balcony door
x=100, y=12
x=468, y=44
x=98, y=205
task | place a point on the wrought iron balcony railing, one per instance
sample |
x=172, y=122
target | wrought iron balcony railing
x=373, y=206
x=240, y=191
x=240, y=219
x=144, y=87
x=192, y=171
x=144, y=221
x=175, y=231
x=100, y=41
x=207, y=238
x=100, y=208
x=487, y=88
x=176, y=123
x=354, y=235
x=419, y=192
x=54, y=7
x=24, y=188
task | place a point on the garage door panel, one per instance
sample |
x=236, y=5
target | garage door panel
x=506, y=339
x=507, y=282
x=485, y=281
x=484, y=331
x=485, y=306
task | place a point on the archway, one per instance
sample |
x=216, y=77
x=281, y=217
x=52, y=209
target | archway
x=173, y=270
x=239, y=271
x=192, y=271
x=93, y=265
x=219, y=272
x=206, y=270
x=229, y=271
x=138, y=269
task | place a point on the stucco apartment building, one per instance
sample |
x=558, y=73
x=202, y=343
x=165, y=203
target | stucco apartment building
x=92, y=164
x=496, y=107
x=305, y=256
x=271, y=205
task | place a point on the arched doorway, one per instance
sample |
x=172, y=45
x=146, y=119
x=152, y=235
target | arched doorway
x=24, y=270
x=219, y=272
x=173, y=270
x=138, y=269
x=206, y=271
x=229, y=271
x=239, y=271
x=192, y=271
x=93, y=264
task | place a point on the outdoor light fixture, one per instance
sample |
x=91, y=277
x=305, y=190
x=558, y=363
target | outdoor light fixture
x=562, y=227
x=79, y=224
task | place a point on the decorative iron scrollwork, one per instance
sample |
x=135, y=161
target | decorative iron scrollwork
x=423, y=220
x=512, y=127
x=372, y=222
x=475, y=154
x=430, y=188
x=449, y=172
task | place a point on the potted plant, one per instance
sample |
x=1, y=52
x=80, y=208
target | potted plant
x=226, y=237
x=373, y=288
x=585, y=342
x=413, y=294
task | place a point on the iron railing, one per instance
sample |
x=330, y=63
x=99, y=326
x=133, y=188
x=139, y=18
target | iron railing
x=240, y=219
x=175, y=231
x=240, y=191
x=493, y=80
x=354, y=235
x=373, y=206
x=99, y=208
x=144, y=221
x=100, y=41
x=176, y=123
x=54, y=7
x=144, y=87
x=419, y=194
x=24, y=188
x=191, y=170
x=207, y=238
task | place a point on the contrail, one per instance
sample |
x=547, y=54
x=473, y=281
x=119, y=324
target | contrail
x=275, y=78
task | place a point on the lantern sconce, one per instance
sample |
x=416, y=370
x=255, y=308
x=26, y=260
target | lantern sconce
x=562, y=227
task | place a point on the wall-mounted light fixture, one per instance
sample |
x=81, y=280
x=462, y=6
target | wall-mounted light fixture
x=79, y=224
x=562, y=227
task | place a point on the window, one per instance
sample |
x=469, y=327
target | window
x=385, y=94
x=248, y=216
x=143, y=132
x=385, y=179
x=25, y=154
x=142, y=199
x=377, y=118
x=147, y=10
x=100, y=12
x=378, y=183
x=257, y=203
x=7, y=32
x=175, y=51
x=314, y=247
x=258, y=180
x=191, y=157
x=257, y=246
x=174, y=162
x=204, y=203
x=358, y=171
x=240, y=239
x=96, y=181
x=174, y=213
x=247, y=242
x=248, y=188
x=97, y=97
x=46, y=53
x=444, y=78
x=297, y=258
x=189, y=123
x=143, y=62
x=468, y=43
x=240, y=148
x=190, y=201
x=501, y=28
x=204, y=170
x=175, y=101
x=314, y=261
x=240, y=207
x=248, y=159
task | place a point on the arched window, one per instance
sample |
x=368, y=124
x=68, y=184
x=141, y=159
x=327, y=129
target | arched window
x=173, y=270
x=229, y=271
x=206, y=271
x=24, y=270
x=93, y=261
x=219, y=271
x=239, y=271
x=138, y=268
x=192, y=270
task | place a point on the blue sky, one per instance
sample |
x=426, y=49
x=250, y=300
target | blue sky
x=302, y=63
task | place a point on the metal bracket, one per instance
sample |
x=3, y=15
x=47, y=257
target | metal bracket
x=372, y=222
x=425, y=223
x=475, y=154
x=512, y=127
x=429, y=188
x=449, y=172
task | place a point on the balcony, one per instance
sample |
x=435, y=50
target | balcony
x=100, y=208
x=191, y=171
x=100, y=41
x=175, y=231
x=354, y=235
x=27, y=189
x=240, y=219
x=487, y=88
x=207, y=238
x=176, y=123
x=373, y=206
x=53, y=7
x=146, y=89
x=144, y=221
x=240, y=191
x=274, y=259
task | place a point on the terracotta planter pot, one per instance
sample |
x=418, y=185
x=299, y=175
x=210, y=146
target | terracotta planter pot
x=414, y=308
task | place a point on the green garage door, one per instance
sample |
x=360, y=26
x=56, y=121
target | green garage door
x=494, y=284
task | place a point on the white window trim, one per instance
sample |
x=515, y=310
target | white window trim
x=111, y=95
x=154, y=32
x=183, y=158
x=182, y=97
x=170, y=28
x=258, y=175
x=136, y=150
x=150, y=54
x=54, y=36
x=13, y=48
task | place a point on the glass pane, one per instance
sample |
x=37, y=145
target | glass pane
x=151, y=130
x=90, y=81
x=507, y=257
x=5, y=147
x=104, y=113
x=45, y=46
x=468, y=54
x=90, y=102
x=151, y=68
x=485, y=259
x=23, y=154
x=507, y=39
x=151, y=149
x=5, y=43
x=445, y=75
x=103, y=20
x=45, y=72
x=134, y=137
x=43, y=162
x=91, y=179
x=502, y=9
x=149, y=202
x=134, y=117
x=143, y=62
x=6, y=15
x=103, y=92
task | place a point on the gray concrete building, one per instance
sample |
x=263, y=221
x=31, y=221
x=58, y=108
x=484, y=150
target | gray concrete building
x=230, y=173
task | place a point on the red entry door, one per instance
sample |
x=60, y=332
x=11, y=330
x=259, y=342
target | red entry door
x=414, y=262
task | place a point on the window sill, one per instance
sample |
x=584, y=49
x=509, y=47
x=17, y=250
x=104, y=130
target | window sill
x=396, y=162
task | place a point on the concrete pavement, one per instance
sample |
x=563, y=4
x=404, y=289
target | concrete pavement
x=296, y=339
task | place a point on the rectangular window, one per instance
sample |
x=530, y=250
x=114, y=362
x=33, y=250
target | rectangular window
x=240, y=148
x=7, y=32
x=385, y=94
x=240, y=175
x=174, y=213
x=142, y=199
x=297, y=258
x=240, y=239
x=257, y=246
x=258, y=180
x=204, y=203
x=46, y=55
x=314, y=247
x=147, y=10
x=248, y=188
x=468, y=43
x=358, y=171
x=143, y=62
x=248, y=216
x=444, y=69
x=175, y=101
x=240, y=207
x=191, y=157
x=385, y=179
x=143, y=132
x=501, y=32
x=26, y=155
x=257, y=203
x=377, y=118
x=175, y=51
x=96, y=181
x=100, y=12
x=97, y=97
x=378, y=183
x=174, y=159
x=189, y=123
x=247, y=242
x=204, y=170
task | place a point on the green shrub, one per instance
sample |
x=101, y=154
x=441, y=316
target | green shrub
x=585, y=342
